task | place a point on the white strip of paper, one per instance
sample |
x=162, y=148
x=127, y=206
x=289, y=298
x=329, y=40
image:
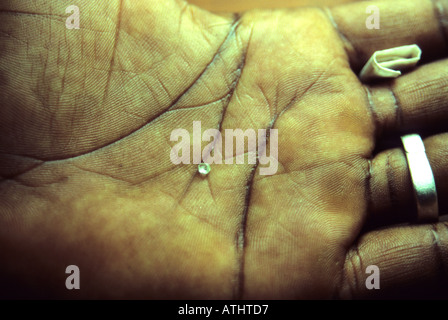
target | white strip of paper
x=390, y=63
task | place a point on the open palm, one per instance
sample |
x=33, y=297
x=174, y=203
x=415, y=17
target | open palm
x=86, y=117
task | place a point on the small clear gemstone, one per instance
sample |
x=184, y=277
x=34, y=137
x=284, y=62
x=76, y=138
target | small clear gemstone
x=203, y=168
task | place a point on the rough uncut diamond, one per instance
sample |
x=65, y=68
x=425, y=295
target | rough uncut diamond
x=204, y=168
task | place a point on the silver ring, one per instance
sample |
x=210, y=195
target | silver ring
x=422, y=178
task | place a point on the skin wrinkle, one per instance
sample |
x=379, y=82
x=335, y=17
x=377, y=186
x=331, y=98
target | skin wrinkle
x=241, y=234
x=347, y=45
x=266, y=100
x=228, y=97
x=352, y=262
x=373, y=113
x=354, y=250
x=241, y=240
x=375, y=121
x=103, y=174
x=398, y=109
x=36, y=14
x=184, y=193
x=163, y=87
x=152, y=176
x=45, y=84
x=14, y=176
x=181, y=15
x=33, y=186
x=343, y=283
x=207, y=104
x=357, y=264
x=65, y=68
x=114, y=49
x=438, y=253
x=16, y=39
x=368, y=186
x=211, y=190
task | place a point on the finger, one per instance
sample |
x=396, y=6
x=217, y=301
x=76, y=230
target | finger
x=391, y=192
x=412, y=262
x=415, y=101
x=402, y=22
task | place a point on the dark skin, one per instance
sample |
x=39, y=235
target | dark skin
x=85, y=121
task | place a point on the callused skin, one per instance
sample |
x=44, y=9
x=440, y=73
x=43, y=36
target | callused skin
x=86, y=117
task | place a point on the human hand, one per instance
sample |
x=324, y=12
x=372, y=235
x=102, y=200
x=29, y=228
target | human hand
x=87, y=180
